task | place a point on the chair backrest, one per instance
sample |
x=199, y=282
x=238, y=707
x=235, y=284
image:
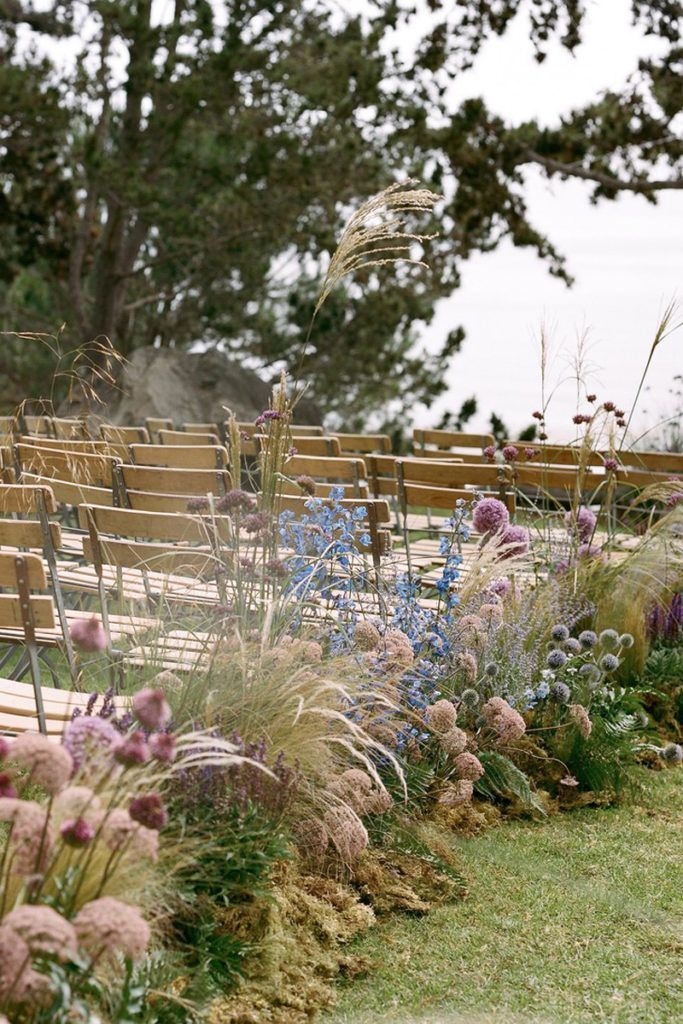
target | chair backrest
x=295, y=429
x=557, y=455
x=562, y=482
x=18, y=712
x=183, y=437
x=20, y=610
x=380, y=471
x=657, y=462
x=327, y=473
x=202, y=428
x=162, y=480
x=360, y=444
x=377, y=514
x=69, y=428
x=73, y=467
x=64, y=444
x=124, y=435
x=155, y=423
x=179, y=456
x=38, y=425
x=326, y=447
x=437, y=444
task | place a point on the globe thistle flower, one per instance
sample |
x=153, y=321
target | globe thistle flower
x=591, y=673
x=510, y=453
x=7, y=787
x=470, y=698
x=609, y=663
x=503, y=719
x=49, y=765
x=626, y=640
x=347, y=832
x=106, y=927
x=31, y=838
x=584, y=523
x=559, y=633
x=14, y=961
x=151, y=708
x=453, y=742
x=515, y=541
x=441, y=716
x=609, y=638
x=149, y=810
x=132, y=750
x=672, y=753
x=311, y=838
x=490, y=516
x=366, y=636
x=457, y=793
x=561, y=693
x=77, y=832
x=89, y=737
x=491, y=670
x=468, y=766
x=572, y=646
x=162, y=746
x=88, y=635
x=588, y=639
x=579, y=716
x=45, y=932
x=556, y=659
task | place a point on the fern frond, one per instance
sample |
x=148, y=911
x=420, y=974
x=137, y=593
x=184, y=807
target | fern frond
x=502, y=778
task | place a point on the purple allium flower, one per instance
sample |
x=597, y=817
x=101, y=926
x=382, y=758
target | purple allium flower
x=490, y=453
x=48, y=764
x=162, y=745
x=530, y=453
x=501, y=587
x=151, y=708
x=590, y=551
x=106, y=927
x=561, y=693
x=132, y=750
x=559, y=633
x=149, y=811
x=556, y=659
x=6, y=787
x=490, y=516
x=584, y=523
x=197, y=504
x=77, y=832
x=516, y=541
x=611, y=465
x=88, y=634
x=510, y=452
x=89, y=736
x=674, y=499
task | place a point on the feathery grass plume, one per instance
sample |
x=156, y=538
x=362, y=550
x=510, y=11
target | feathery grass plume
x=234, y=440
x=664, y=329
x=374, y=235
x=648, y=576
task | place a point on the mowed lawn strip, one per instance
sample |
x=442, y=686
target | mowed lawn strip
x=576, y=920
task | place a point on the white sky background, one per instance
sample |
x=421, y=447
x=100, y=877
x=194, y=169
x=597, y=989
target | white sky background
x=626, y=256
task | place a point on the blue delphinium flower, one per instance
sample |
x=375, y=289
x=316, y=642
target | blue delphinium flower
x=542, y=690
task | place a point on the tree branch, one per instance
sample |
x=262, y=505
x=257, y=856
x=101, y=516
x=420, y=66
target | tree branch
x=12, y=12
x=606, y=180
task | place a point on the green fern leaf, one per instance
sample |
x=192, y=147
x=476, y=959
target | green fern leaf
x=502, y=778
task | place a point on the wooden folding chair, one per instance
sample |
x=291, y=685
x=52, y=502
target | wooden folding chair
x=444, y=444
x=179, y=456
x=73, y=476
x=557, y=455
x=132, y=479
x=183, y=437
x=325, y=447
x=363, y=444
x=19, y=711
x=327, y=473
x=154, y=424
x=69, y=428
x=124, y=435
x=670, y=463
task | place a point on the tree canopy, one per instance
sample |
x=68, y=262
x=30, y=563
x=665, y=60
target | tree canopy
x=169, y=180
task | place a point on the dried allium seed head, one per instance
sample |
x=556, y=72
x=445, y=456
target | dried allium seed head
x=347, y=832
x=454, y=741
x=468, y=766
x=458, y=793
x=367, y=636
x=311, y=838
x=441, y=716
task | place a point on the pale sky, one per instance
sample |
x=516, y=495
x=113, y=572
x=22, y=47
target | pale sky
x=626, y=256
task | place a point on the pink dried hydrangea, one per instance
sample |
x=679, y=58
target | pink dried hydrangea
x=397, y=649
x=583, y=523
x=14, y=961
x=107, y=926
x=515, y=540
x=347, y=832
x=89, y=738
x=31, y=838
x=458, y=793
x=503, y=719
x=119, y=832
x=441, y=716
x=467, y=664
x=354, y=787
x=454, y=741
x=49, y=765
x=151, y=708
x=88, y=634
x=367, y=636
x=490, y=516
x=311, y=838
x=579, y=716
x=468, y=766
x=43, y=930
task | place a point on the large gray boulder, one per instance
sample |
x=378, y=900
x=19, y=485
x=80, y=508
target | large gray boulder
x=190, y=387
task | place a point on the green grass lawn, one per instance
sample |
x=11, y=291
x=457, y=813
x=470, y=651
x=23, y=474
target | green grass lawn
x=578, y=919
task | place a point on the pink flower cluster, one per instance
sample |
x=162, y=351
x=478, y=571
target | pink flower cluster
x=584, y=523
x=503, y=719
x=490, y=516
